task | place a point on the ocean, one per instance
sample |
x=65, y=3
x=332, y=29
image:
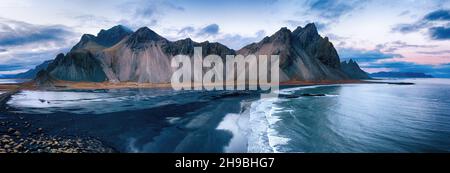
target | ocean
x=358, y=118
x=348, y=118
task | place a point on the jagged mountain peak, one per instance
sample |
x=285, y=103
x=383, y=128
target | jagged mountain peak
x=113, y=35
x=308, y=33
x=187, y=40
x=115, y=29
x=87, y=37
x=144, y=56
x=352, y=69
x=351, y=62
x=283, y=32
x=147, y=34
x=142, y=36
x=311, y=26
x=104, y=39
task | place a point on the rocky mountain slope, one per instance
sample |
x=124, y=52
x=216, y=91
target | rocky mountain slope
x=120, y=55
x=81, y=64
x=304, y=54
x=145, y=57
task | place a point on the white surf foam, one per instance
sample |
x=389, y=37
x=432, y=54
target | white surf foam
x=237, y=125
x=263, y=137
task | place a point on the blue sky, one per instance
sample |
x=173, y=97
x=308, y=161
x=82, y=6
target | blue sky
x=382, y=35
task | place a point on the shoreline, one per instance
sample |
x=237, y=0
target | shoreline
x=68, y=85
x=18, y=135
x=9, y=89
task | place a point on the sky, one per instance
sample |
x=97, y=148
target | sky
x=381, y=35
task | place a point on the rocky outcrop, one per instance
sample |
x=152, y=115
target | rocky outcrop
x=145, y=57
x=44, y=79
x=104, y=39
x=77, y=66
x=352, y=69
x=81, y=63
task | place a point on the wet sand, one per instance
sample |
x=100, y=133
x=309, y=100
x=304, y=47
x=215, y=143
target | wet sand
x=68, y=85
x=175, y=127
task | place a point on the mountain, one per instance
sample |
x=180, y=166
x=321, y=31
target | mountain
x=304, y=54
x=145, y=57
x=30, y=74
x=104, y=39
x=77, y=66
x=352, y=69
x=81, y=64
x=400, y=75
x=120, y=55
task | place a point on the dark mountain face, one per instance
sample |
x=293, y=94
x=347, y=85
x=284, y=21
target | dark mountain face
x=81, y=64
x=144, y=56
x=304, y=54
x=104, y=39
x=143, y=37
x=309, y=40
x=352, y=69
x=77, y=66
x=112, y=36
x=186, y=47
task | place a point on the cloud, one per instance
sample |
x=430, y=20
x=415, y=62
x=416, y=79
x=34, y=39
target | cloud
x=24, y=45
x=10, y=67
x=13, y=33
x=94, y=21
x=432, y=22
x=408, y=28
x=236, y=41
x=436, y=71
x=362, y=55
x=440, y=33
x=332, y=9
x=439, y=15
x=186, y=30
x=146, y=12
x=205, y=32
x=434, y=52
x=398, y=45
x=212, y=33
x=296, y=23
x=212, y=29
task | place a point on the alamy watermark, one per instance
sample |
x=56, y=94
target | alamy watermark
x=238, y=72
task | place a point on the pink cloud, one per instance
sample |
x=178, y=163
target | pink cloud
x=418, y=58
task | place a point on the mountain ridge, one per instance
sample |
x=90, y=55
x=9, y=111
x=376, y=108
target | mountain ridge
x=144, y=56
